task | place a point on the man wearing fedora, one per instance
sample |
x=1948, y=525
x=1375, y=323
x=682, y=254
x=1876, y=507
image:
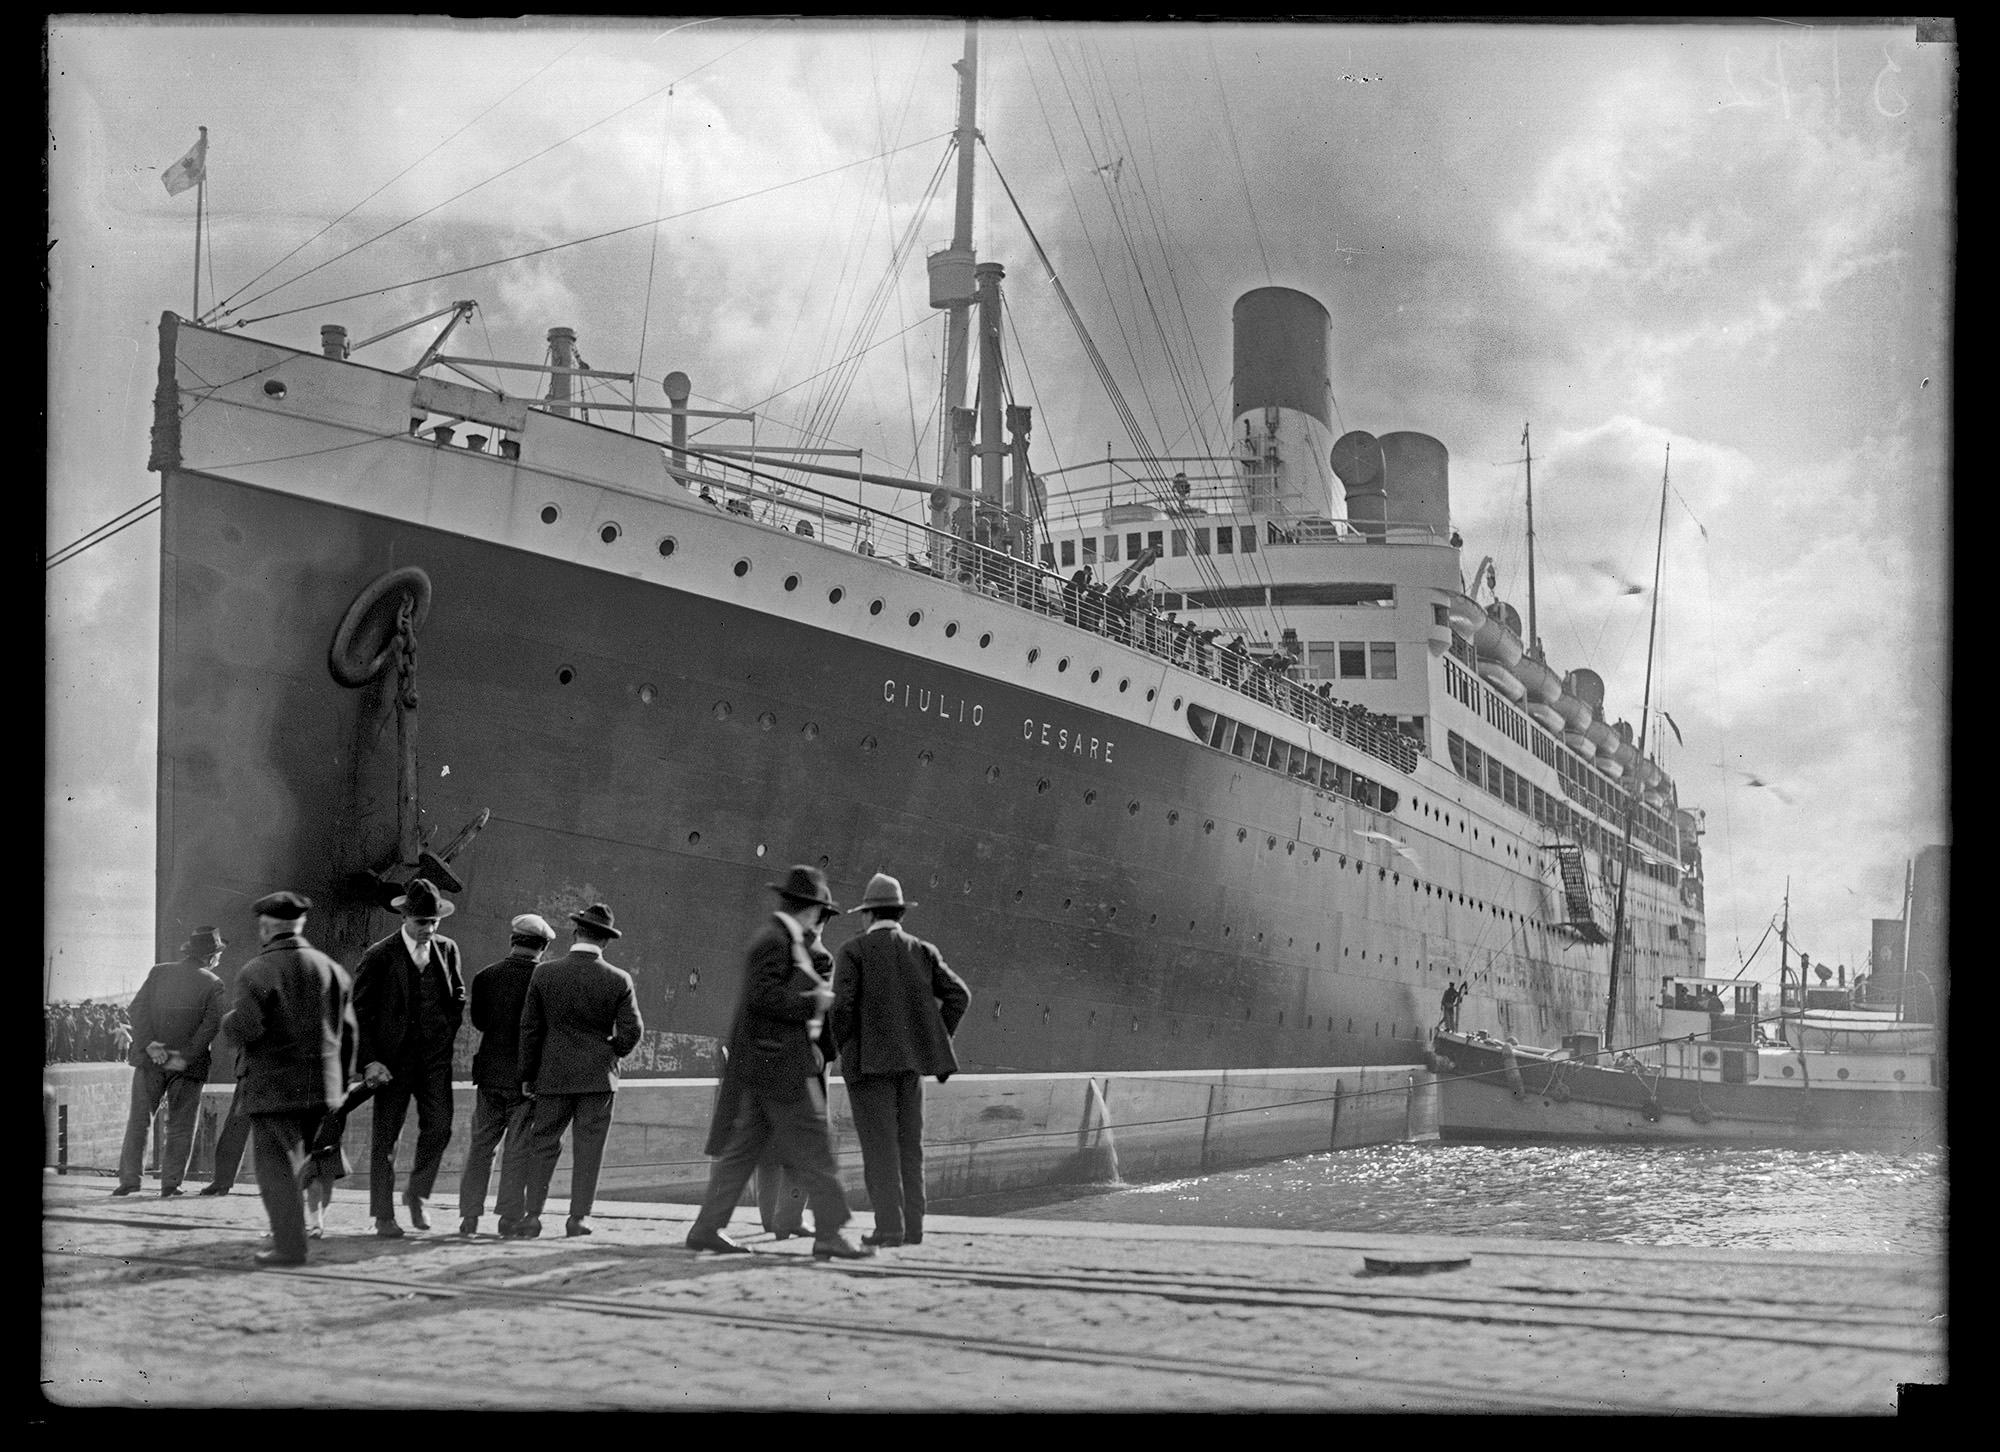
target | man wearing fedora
x=499, y=1110
x=409, y=998
x=175, y=1015
x=895, y=1007
x=580, y=1017
x=770, y=1095
x=292, y=1015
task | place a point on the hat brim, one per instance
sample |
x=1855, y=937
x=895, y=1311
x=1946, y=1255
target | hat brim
x=864, y=905
x=595, y=926
x=445, y=909
x=789, y=896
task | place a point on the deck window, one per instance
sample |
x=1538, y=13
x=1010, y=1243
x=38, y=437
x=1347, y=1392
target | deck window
x=1069, y=554
x=1090, y=549
x=1133, y=547
x=1322, y=660
x=1180, y=543
x=1382, y=660
x=1110, y=548
x=1048, y=554
x=1153, y=540
x=1201, y=540
x=1225, y=540
x=1246, y=539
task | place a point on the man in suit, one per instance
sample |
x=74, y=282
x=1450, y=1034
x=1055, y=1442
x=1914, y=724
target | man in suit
x=770, y=1095
x=293, y=1016
x=174, y=1018
x=409, y=998
x=895, y=1007
x=579, y=1019
x=499, y=1109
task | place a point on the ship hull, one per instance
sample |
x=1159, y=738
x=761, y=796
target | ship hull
x=1483, y=1097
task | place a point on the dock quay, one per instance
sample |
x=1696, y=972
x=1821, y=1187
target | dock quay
x=986, y=1314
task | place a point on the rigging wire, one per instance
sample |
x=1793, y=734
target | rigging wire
x=1229, y=125
x=504, y=171
x=652, y=256
x=225, y=301
x=97, y=536
x=583, y=241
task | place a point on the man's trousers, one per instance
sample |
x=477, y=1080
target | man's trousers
x=230, y=1142
x=796, y=1130
x=888, y=1114
x=182, y=1092
x=553, y=1113
x=279, y=1142
x=428, y=1082
x=497, y=1116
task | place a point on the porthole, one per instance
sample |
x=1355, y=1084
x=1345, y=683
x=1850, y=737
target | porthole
x=1208, y=826
x=275, y=388
x=1135, y=1025
x=1315, y=854
x=1018, y=894
x=950, y=629
x=985, y=639
x=1132, y=808
x=835, y=595
x=1095, y=674
x=767, y=720
x=966, y=887
x=741, y=568
x=1840, y=1074
x=1063, y=664
x=1152, y=918
x=1270, y=844
x=1788, y=1071
x=720, y=710
x=1225, y=933
x=1066, y=903
x=1290, y=848
x=648, y=694
x=992, y=774
x=925, y=757
x=1899, y=1076
x=810, y=731
x=874, y=607
x=609, y=533
x=1124, y=685
x=550, y=514
x=1041, y=786
x=1242, y=833
x=868, y=743
x=791, y=582
x=565, y=675
x=760, y=849
x=1034, y=654
x=1090, y=798
x=694, y=839
x=1177, y=700
x=916, y=618
x=1151, y=692
x=1173, y=819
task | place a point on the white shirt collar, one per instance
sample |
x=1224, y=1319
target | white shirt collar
x=596, y=950
x=798, y=929
x=882, y=925
x=420, y=953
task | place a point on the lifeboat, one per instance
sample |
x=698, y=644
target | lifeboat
x=1603, y=738
x=1547, y=716
x=1650, y=774
x=1610, y=768
x=1574, y=711
x=1495, y=642
x=1465, y=615
x=1581, y=744
x=1501, y=680
x=1654, y=798
x=1543, y=684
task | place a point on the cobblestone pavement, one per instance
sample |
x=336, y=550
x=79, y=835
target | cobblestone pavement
x=156, y=1303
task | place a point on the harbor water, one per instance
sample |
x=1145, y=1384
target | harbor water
x=1740, y=1197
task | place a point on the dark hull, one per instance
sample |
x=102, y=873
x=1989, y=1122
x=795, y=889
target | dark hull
x=1102, y=922
x=1481, y=1098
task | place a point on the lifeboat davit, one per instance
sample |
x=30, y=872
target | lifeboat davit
x=1501, y=680
x=1465, y=615
x=1542, y=683
x=1581, y=744
x=1547, y=716
x=1495, y=642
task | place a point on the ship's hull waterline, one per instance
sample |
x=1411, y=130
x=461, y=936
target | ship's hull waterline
x=1120, y=896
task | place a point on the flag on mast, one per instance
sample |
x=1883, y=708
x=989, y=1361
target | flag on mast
x=190, y=170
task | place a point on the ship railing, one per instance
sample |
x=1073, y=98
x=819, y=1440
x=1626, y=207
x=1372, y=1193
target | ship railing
x=1015, y=580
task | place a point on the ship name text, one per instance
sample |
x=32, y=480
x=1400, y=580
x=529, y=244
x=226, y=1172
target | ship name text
x=933, y=703
x=1048, y=733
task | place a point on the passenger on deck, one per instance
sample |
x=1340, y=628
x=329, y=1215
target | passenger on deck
x=804, y=527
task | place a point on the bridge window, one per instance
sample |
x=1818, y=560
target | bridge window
x=1382, y=660
x=1225, y=540
x=1354, y=659
x=1180, y=543
x=1089, y=550
x=1133, y=548
x=1322, y=660
x=1069, y=554
x=1110, y=547
x=1246, y=539
x=1048, y=554
x=1201, y=540
x=1153, y=540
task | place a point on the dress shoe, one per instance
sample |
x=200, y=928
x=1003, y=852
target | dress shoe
x=387, y=1228
x=213, y=1190
x=316, y=1232
x=168, y=1192
x=913, y=1239
x=839, y=1247
x=887, y=1242
x=417, y=1216
x=574, y=1226
x=508, y=1229
x=528, y=1227
x=127, y=1189
x=777, y=1234
x=271, y=1259
x=469, y=1225
x=715, y=1240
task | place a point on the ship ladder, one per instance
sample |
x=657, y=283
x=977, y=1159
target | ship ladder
x=1576, y=893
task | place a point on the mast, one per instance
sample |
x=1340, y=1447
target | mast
x=958, y=297
x=1632, y=791
x=1528, y=455
x=1784, y=942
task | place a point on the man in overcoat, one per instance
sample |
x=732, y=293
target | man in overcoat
x=409, y=998
x=895, y=1007
x=292, y=1015
x=499, y=1109
x=580, y=1017
x=770, y=1095
x=175, y=1015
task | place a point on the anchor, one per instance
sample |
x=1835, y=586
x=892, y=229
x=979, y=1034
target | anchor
x=378, y=631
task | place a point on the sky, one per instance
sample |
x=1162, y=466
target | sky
x=1728, y=246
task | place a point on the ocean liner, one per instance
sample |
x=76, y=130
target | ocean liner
x=1233, y=772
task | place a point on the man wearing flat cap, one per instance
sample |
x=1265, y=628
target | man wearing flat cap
x=895, y=1007
x=499, y=1109
x=292, y=1016
x=174, y=1019
x=770, y=1095
x=579, y=1019
x=410, y=999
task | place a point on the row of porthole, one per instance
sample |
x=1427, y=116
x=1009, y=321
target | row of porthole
x=1174, y=1026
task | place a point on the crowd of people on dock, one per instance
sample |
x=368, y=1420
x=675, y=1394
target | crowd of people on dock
x=313, y=1043
x=85, y=1033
